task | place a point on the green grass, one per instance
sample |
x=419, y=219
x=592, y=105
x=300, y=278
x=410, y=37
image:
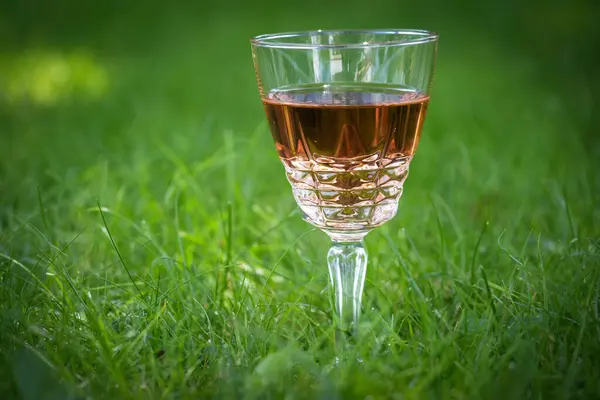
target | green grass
x=150, y=246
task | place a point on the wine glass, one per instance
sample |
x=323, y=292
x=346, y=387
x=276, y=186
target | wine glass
x=346, y=109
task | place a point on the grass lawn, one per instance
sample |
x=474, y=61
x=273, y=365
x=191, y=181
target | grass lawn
x=150, y=246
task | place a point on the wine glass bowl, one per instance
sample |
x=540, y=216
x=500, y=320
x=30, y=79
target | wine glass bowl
x=346, y=154
x=346, y=110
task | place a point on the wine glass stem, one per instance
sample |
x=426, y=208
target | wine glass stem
x=347, y=263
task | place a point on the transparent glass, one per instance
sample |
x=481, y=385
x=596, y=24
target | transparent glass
x=346, y=109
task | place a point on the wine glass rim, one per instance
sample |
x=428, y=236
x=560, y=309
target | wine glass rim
x=278, y=40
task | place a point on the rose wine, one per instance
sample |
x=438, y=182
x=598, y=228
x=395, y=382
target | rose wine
x=346, y=149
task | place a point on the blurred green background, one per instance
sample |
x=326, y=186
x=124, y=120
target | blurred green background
x=104, y=66
x=135, y=161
